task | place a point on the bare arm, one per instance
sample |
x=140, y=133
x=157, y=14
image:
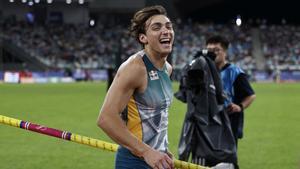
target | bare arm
x=245, y=103
x=248, y=100
x=115, y=101
x=243, y=88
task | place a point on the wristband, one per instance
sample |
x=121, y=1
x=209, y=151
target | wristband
x=241, y=106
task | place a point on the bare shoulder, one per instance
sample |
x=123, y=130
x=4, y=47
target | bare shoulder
x=169, y=68
x=134, y=64
x=132, y=71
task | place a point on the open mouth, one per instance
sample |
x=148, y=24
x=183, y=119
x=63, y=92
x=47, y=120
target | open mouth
x=165, y=41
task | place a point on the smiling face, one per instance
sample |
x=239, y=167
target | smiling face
x=159, y=35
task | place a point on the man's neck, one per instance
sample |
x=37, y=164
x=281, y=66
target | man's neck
x=157, y=59
x=221, y=65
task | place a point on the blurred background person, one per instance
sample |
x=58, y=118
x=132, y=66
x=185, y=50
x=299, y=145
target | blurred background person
x=238, y=91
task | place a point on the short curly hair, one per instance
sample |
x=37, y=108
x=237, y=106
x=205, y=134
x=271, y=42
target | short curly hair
x=138, y=22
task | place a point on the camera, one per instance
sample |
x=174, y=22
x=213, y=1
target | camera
x=206, y=53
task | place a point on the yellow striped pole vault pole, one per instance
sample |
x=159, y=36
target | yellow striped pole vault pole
x=79, y=139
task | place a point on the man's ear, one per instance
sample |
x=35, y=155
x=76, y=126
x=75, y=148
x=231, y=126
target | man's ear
x=143, y=38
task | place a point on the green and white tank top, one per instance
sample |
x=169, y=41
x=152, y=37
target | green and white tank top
x=148, y=111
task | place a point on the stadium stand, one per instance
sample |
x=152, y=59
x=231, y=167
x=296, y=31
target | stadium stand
x=265, y=50
x=96, y=48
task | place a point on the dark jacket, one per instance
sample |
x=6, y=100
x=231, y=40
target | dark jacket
x=206, y=131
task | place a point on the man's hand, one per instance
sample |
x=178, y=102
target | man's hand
x=234, y=108
x=158, y=160
x=170, y=154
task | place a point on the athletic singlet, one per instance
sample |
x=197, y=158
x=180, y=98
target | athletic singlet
x=148, y=111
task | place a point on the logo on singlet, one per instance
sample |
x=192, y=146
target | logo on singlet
x=153, y=75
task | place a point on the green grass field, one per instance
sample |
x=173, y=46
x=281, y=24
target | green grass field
x=272, y=128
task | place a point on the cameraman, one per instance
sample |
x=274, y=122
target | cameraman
x=236, y=86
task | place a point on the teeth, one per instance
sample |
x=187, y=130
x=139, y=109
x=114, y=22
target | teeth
x=165, y=40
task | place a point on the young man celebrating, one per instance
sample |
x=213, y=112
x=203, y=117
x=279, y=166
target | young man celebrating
x=142, y=84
